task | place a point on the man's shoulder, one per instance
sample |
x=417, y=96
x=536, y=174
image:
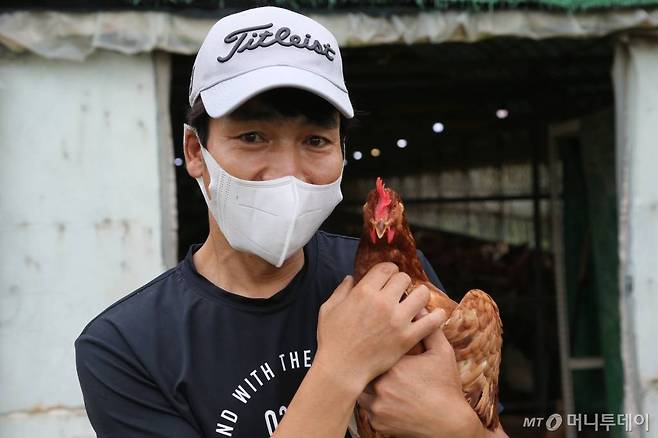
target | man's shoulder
x=337, y=245
x=339, y=242
x=336, y=253
x=137, y=308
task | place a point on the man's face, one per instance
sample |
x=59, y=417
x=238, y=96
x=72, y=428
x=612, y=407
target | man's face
x=254, y=146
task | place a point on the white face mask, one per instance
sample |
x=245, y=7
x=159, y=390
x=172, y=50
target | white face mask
x=271, y=219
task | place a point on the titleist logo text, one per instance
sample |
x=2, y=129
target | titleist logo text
x=283, y=36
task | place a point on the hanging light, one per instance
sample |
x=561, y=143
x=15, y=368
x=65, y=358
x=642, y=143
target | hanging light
x=357, y=155
x=375, y=152
x=438, y=127
x=502, y=113
x=402, y=143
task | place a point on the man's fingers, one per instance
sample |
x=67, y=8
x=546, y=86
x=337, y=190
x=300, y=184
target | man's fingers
x=396, y=286
x=430, y=325
x=379, y=274
x=422, y=312
x=415, y=301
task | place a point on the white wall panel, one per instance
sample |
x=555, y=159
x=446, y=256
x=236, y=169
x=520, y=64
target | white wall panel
x=80, y=221
x=636, y=92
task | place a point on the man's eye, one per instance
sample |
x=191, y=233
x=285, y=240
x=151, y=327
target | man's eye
x=317, y=141
x=250, y=137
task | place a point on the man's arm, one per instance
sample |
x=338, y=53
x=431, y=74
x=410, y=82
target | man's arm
x=322, y=406
x=120, y=397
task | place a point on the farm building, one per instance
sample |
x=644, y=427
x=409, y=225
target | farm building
x=522, y=136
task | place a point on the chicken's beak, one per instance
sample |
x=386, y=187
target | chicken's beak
x=380, y=228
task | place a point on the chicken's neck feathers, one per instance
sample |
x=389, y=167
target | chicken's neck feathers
x=401, y=251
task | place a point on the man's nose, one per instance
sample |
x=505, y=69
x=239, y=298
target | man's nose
x=285, y=160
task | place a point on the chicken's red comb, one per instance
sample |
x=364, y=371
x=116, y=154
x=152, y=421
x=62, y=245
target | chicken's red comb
x=384, y=200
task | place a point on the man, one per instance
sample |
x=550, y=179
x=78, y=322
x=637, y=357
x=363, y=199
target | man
x=262, y=319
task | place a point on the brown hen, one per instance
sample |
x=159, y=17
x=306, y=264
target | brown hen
x=473, y=327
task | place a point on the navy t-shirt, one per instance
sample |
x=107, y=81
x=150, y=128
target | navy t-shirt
x=180, y=357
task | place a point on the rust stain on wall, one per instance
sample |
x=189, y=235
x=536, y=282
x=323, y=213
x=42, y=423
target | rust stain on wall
x=40, y=409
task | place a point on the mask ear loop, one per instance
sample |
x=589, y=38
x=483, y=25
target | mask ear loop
x=199, y=180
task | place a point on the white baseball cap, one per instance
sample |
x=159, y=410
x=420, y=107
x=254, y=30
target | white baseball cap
x=268, y=47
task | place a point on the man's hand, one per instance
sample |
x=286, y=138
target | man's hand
x=421, y=396
x=364, y=329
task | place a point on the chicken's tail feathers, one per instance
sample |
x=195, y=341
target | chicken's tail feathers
x=474, y=330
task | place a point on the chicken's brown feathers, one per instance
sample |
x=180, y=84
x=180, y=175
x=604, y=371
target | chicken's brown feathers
x=474, y=330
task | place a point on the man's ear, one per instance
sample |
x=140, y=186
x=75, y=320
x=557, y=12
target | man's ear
x=192, y=151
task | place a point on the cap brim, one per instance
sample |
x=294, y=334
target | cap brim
x=226, y=96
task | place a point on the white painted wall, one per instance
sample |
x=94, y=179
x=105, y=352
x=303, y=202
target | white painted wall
x=80, y=221
x=636, y=92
